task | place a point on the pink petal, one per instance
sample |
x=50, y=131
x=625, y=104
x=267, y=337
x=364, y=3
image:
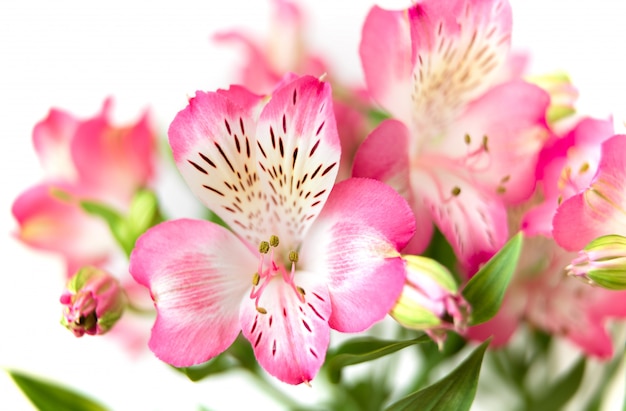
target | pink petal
x=384, y=156
x=55, y=222
x=291, y=339
x=198, y=274
x=474, y=221
x=257, y=71
x=458, y=47
x=599, y=210
x=354, y=245
x=114, y=160
x=51, y=138
x=298, y=151
x=514, y=137
x=385, y=52
x=214, y=146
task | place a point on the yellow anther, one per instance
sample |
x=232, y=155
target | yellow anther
x=456, y=191
x=264, y=247
x=256, y=278
x=501, y=190
x=505, y=179
x=293, y=256
x=583, y=168
x=485, y=141
x=300, y=290
x=467, y=139
x=261, y=310
x=274, y=241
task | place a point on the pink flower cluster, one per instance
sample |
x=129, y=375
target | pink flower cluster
x=324, y=207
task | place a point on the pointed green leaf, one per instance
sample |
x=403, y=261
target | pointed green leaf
x=144, y=212
x=485, y=290
x=363, y=349
x=48, y=396
x=217, y=365
x=455, y=392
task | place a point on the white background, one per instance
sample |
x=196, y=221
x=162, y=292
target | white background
x=73, y=53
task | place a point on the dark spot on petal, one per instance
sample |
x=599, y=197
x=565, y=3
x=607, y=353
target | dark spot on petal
x=205, y=158
x=316, y=171
x=315, y=311
x=320, y=128
x=295, y=155
x=197, y=167
x=261, y=148
x=317, y=143
x=225, y=157
x=227, y=126
x=318, y=296
x=214, y=190
x=330, y=167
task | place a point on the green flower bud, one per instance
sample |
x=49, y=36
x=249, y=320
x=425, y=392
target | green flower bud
x=602, y=262
x=430, y=300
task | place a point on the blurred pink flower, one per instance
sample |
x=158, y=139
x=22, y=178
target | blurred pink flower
x=463, y=144
x=83, y=160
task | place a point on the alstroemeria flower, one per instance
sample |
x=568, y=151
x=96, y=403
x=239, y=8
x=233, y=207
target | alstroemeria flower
x=543, y=296
x=283, y=51
x=462, y=145
x=566, y=167
x=302, y=257
x=601, y=208
x=83, y=160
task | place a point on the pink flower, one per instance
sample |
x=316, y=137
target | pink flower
x=284, y=51
x=545, y=298
x=302, y=257
x=83, y=160
x=462, y=146
x=601, y=208
x=566, y=166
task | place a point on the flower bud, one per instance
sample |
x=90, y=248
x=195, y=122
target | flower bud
x=430, y=300
x=93, y=302
x=562, y=93
x=602, y=262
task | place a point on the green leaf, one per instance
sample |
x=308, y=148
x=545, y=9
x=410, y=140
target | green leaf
x=115, y=220
x=364, y=349
x=559, y=393
x=455, y=392
x=485, y=290
x=217, y=365
x=144, y=213
x=48, y=396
